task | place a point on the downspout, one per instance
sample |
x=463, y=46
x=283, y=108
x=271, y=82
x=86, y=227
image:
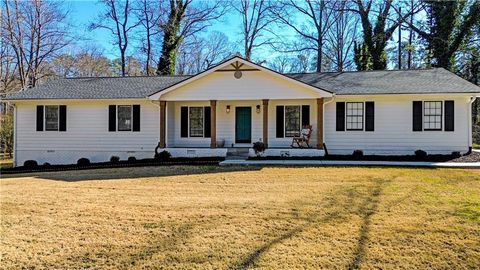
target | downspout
x=324, y=125
x=470, y=131
x=157, y=102
x=14, y=135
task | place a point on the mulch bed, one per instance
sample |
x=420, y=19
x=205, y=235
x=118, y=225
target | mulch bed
x=472, y=157
x=119, y=164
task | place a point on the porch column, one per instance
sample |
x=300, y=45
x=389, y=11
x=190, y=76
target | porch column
x=213, y=124
x=163, y=105
x=319, y=123
x=265, y=122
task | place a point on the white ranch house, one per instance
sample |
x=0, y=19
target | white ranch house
x=237, y=103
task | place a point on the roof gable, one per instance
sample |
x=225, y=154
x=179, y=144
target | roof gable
x=237, y=63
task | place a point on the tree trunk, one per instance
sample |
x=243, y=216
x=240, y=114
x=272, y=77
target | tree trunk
x=166, y=65
x=171, y=40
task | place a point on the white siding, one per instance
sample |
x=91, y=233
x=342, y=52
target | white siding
x=87, y=134
x=393, y=128
x=254, y=85
x=226, y=123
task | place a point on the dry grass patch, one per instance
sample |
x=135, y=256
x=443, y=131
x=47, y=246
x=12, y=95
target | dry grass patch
x=209, y=217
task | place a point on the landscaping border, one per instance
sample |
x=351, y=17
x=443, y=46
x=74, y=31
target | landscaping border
x=119, y=164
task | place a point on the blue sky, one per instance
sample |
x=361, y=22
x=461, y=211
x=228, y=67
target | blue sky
x=84, y=12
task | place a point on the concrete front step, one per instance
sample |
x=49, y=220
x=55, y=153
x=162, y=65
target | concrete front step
x=237, y=154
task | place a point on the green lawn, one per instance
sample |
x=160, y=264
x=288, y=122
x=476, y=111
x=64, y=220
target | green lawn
x=184, y=217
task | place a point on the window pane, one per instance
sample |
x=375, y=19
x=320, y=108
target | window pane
x=292, y=121
x=354, y=115
x=51, y=117
x=432, y=115
x=196, y=121
x=125, y=118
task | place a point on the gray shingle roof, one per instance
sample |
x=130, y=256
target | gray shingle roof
x=99, y=88
x=428, y=81
x=424, y=81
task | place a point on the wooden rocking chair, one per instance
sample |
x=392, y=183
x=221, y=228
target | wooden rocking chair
x=303, y=138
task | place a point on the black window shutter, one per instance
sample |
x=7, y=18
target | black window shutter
x=136, y=117
x=340, y=116
x=39, y=118
x=62, y=118
x=417, y=116
x=184, y=122
x=280, y=122
x=449, y=115
x=369, y=116
x=112, y=117
x=305, y=115
x=206, y=122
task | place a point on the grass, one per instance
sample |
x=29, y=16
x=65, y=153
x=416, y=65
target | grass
x=476, y=146
x=237, y=218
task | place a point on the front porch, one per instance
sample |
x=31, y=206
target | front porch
x=210, y=128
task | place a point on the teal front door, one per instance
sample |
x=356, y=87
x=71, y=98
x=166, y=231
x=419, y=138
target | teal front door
x=243, y=125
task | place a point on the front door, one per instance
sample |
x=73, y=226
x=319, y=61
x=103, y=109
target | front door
x=243, y=125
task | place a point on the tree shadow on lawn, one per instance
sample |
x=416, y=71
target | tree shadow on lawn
x=366, y=210
x=131, y=173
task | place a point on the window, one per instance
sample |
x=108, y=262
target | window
x=196, y=121
x=432, y=115
x=51, y=118
x=354, y=115
x=292, y=121
x=124, y=118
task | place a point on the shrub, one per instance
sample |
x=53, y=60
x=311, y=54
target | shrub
x=420, y=154
x=114, y=159
x=46, y=165
x=357, y=154
x=83, y=162
x=456, y=154
x=30, y=164
x=259, y=147
x=164, y=155
x=132, y=159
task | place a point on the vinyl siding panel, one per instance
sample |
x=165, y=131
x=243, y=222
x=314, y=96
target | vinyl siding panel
x=393, y=128
x=87, y=134
x=254, y=85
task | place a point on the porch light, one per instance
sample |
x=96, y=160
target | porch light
x=258, y=108
x=228, y=108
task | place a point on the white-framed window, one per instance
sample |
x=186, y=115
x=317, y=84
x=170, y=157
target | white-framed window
x=124, y=117
x=195, y=120
x=432, y=115
x=293, y=120
x=354, y=115
x=52, y=117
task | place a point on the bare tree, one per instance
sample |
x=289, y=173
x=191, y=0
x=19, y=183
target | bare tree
x=118, y=13
x=282, y=63
x=149, y=15
x=35, y=30
x=257, y=20
x=317, y=18
x=198, y=54
x=185, y=18
x=340, y=38
x=8, y=68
